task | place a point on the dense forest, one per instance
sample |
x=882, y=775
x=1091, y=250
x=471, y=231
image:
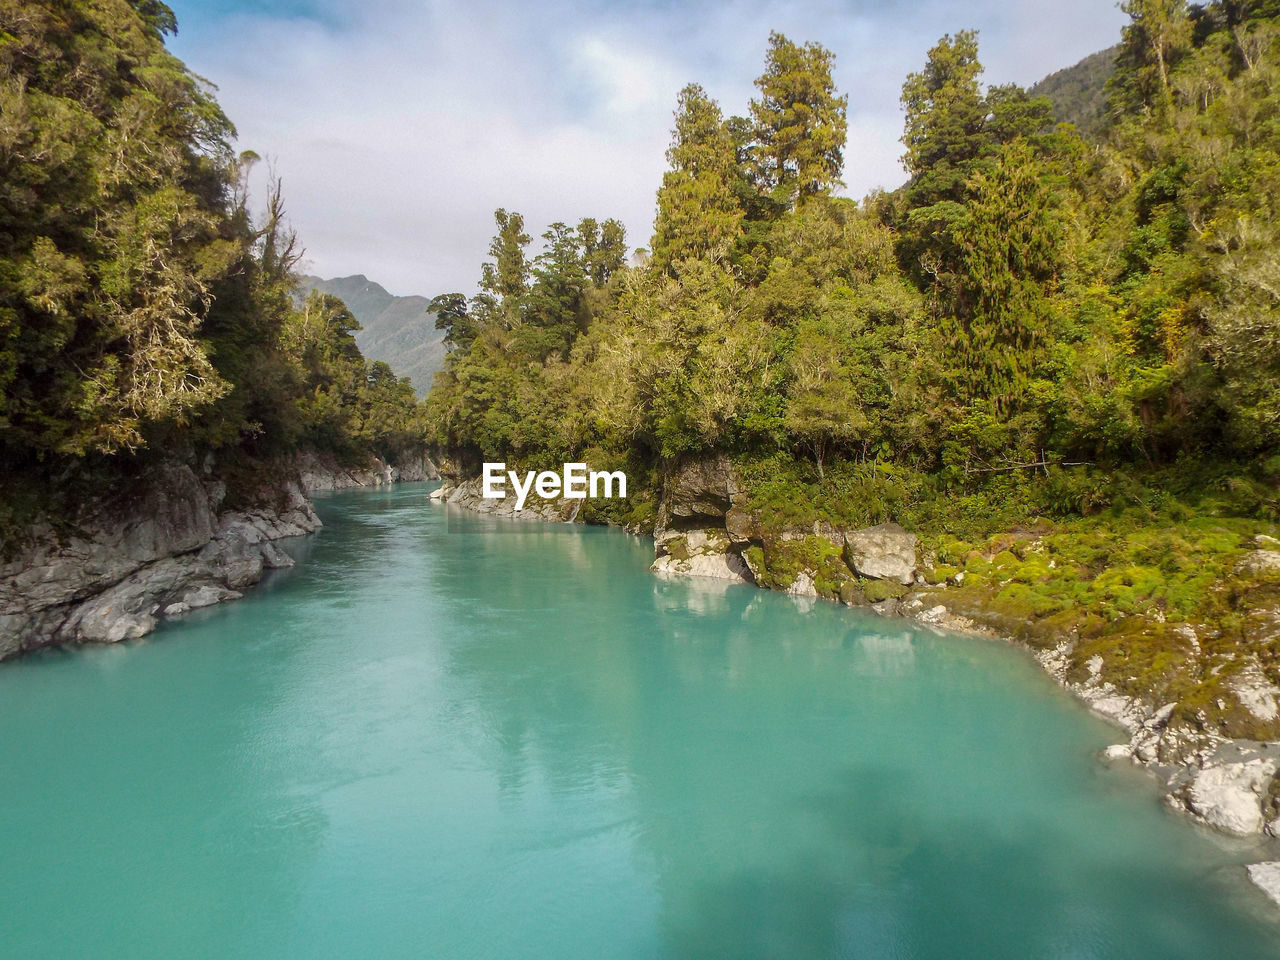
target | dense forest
x=1032, y=315
x=1053, y=354
x=145, y=311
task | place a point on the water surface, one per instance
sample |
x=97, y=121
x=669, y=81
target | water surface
x=451, y=736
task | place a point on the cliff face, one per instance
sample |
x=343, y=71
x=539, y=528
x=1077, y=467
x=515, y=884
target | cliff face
x=163, y=548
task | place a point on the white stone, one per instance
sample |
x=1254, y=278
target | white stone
x=1228, y=796
x=719, y=566
x=1094, y=665
x=1266, y=876
x=933, y=614
x=1255, y=692
x=802, y=585
x=882, y=552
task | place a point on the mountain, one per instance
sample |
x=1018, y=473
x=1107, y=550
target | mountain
x=397, y=330
x=1079, y=93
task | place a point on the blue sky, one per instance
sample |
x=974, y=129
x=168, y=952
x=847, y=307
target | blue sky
x=399, y=125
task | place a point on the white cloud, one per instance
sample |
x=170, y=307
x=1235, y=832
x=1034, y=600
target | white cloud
x=399, y=126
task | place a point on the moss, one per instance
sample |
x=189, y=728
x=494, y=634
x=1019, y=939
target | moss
x=952, y=552
x=1021, y=602
x=876, y=590
x=851, y=593
x=939, y=574
x=780, y=561
x=1005, y=560
x=678, y=548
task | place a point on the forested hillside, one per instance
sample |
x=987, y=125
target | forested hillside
x=399, y=331
x=1079, y=93
x=145, y=309
x=1055, y=358
x=1026, y=296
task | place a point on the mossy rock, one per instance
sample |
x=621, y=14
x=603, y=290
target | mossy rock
x=1022, y=602
x=975, y=564
x=876, y=590
x=851, y=593
x=678, y=548
x=953, y=551
x=939, y=574
x=1005, y=560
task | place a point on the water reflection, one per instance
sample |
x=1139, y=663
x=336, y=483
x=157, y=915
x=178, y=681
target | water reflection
x=425, y=743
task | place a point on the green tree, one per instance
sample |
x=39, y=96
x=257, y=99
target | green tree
x=114, y=177
x=698, y=211
x=1158, y=34
x=604, y=248
x=506, y=278
x=450, y=310
x=999, y=327
x=800, y=124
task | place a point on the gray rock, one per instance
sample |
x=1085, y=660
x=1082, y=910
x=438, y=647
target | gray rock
x=882, y=552
x=273, y=557
x=717, y=566
x=1260, y=561
x=802, y=585
x=704, y=488
x=160, y=550
x=470, y=495
x=1226, y=786
x=324, y=473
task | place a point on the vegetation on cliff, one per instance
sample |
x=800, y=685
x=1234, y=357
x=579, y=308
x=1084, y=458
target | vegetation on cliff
x=144, y=309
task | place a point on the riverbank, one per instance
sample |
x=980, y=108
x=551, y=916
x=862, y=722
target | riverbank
x=1195, y=693
x=165, y=544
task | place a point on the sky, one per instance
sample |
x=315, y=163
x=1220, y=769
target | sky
x=397, y=127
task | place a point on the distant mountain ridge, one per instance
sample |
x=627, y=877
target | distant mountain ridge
x=1079, y=92
x=399, y=331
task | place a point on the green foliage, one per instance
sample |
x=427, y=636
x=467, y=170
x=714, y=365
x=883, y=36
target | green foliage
x=800, y=123
x=698, y=210
x=114, y=168
x=143, y=310
x=1025, y=327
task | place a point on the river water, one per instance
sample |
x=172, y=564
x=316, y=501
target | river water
x=448, y=736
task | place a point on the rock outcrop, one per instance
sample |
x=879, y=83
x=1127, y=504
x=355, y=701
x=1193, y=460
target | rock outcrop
x=701, y=501
x=469, y=494
x=164, y=547
x=882, y=552
x=319, y=473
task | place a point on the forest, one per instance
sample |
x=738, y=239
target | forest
x=145, y=310
x=1038, y=321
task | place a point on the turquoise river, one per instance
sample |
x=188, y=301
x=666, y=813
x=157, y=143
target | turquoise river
x=448, y=736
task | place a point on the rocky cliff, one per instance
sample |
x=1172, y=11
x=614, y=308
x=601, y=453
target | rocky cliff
x=469, y=495
x=162, y=547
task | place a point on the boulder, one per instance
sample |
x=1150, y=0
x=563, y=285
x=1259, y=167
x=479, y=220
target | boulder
x=802, y=585
x=718, y=566
x=882, y=552
x=1229, y=795
x=1260, y=561
x=1266, y=877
